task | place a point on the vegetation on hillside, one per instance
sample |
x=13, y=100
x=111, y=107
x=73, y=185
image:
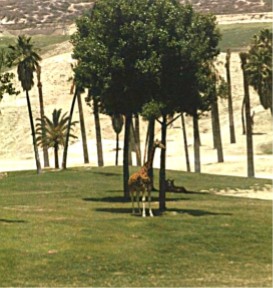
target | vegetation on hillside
x=48, y=13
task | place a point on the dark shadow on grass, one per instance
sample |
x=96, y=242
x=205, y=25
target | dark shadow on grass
x=198, y=213
x=115, y=210
x=12, y=221
x=120, y=199
x=258, y=133
x=195, y=213
x=107, y=173
x=115, y=199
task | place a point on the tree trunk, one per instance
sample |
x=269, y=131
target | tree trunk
x=42, y=113
x=249, y=142
x=230, y=107
x=137, y=140
x=213, y=129
x=135, y=144
x=128, y=120
x=68, y=128
x=151, y=139
x=98, y=132
x=36, y=153
x=56, y=156
x=83, y=131
x=243, y=116
x=117, y=148
x=130, y=148
x=197, y=166
x=185, y=143
x=162, y=172
x=217, y=129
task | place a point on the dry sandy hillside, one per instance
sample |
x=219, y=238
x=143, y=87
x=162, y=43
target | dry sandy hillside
x=16, y=150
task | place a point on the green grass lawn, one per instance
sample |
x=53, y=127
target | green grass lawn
x=237, y=37
x=74, y=228
x=43, y=42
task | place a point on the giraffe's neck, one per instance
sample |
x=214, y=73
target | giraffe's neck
x=151, y=158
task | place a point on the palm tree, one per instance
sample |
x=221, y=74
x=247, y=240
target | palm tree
x=42, y=112
x=27, y=60
x=55, y=132
x=83, y=131
x=230, y=104
x=117, y=123
x=259, y=67
x=77, y=90
x=81, y=116
x=96, y=109
x=249, y=142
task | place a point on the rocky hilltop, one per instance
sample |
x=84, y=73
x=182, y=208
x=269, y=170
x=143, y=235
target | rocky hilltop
x=53, y=16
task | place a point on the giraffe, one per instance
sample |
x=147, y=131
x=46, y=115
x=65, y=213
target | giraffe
x=140, y=182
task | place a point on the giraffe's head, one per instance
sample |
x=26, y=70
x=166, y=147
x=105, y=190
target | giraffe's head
x=158, y=144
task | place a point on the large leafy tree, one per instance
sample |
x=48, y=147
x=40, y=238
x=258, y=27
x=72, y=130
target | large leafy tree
x=182, y=71
x=132, y=53
x=114, y=62
x=24, y=56
x=259, y=67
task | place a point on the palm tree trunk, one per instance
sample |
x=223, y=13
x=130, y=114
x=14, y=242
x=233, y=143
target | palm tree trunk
x=217, y=129
x=185, y=143
x=35, y=147
x=128, y=120
x=42, y=113
x=230, y=107
x=197, y=166
x=98, y=131
x=162, y=172
x=56, y=156
x=243, y=116
x=83, y=131
x=68, y=128
x=249, y=142
x=213, y=129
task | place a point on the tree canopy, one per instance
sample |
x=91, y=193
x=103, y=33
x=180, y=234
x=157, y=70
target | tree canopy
x=6, y=85
x=132, y=52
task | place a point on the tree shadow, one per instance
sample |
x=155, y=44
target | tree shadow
x=115, y=199
x=115, y=210
x=121, y=199
x=258, y=133
x=12, y=221
x=107, y=173
x=156, y=212
x=197, y=213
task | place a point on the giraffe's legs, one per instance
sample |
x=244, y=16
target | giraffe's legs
x=133, y=202
x=149, y=203
x=143, y=204
x=137, y=199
